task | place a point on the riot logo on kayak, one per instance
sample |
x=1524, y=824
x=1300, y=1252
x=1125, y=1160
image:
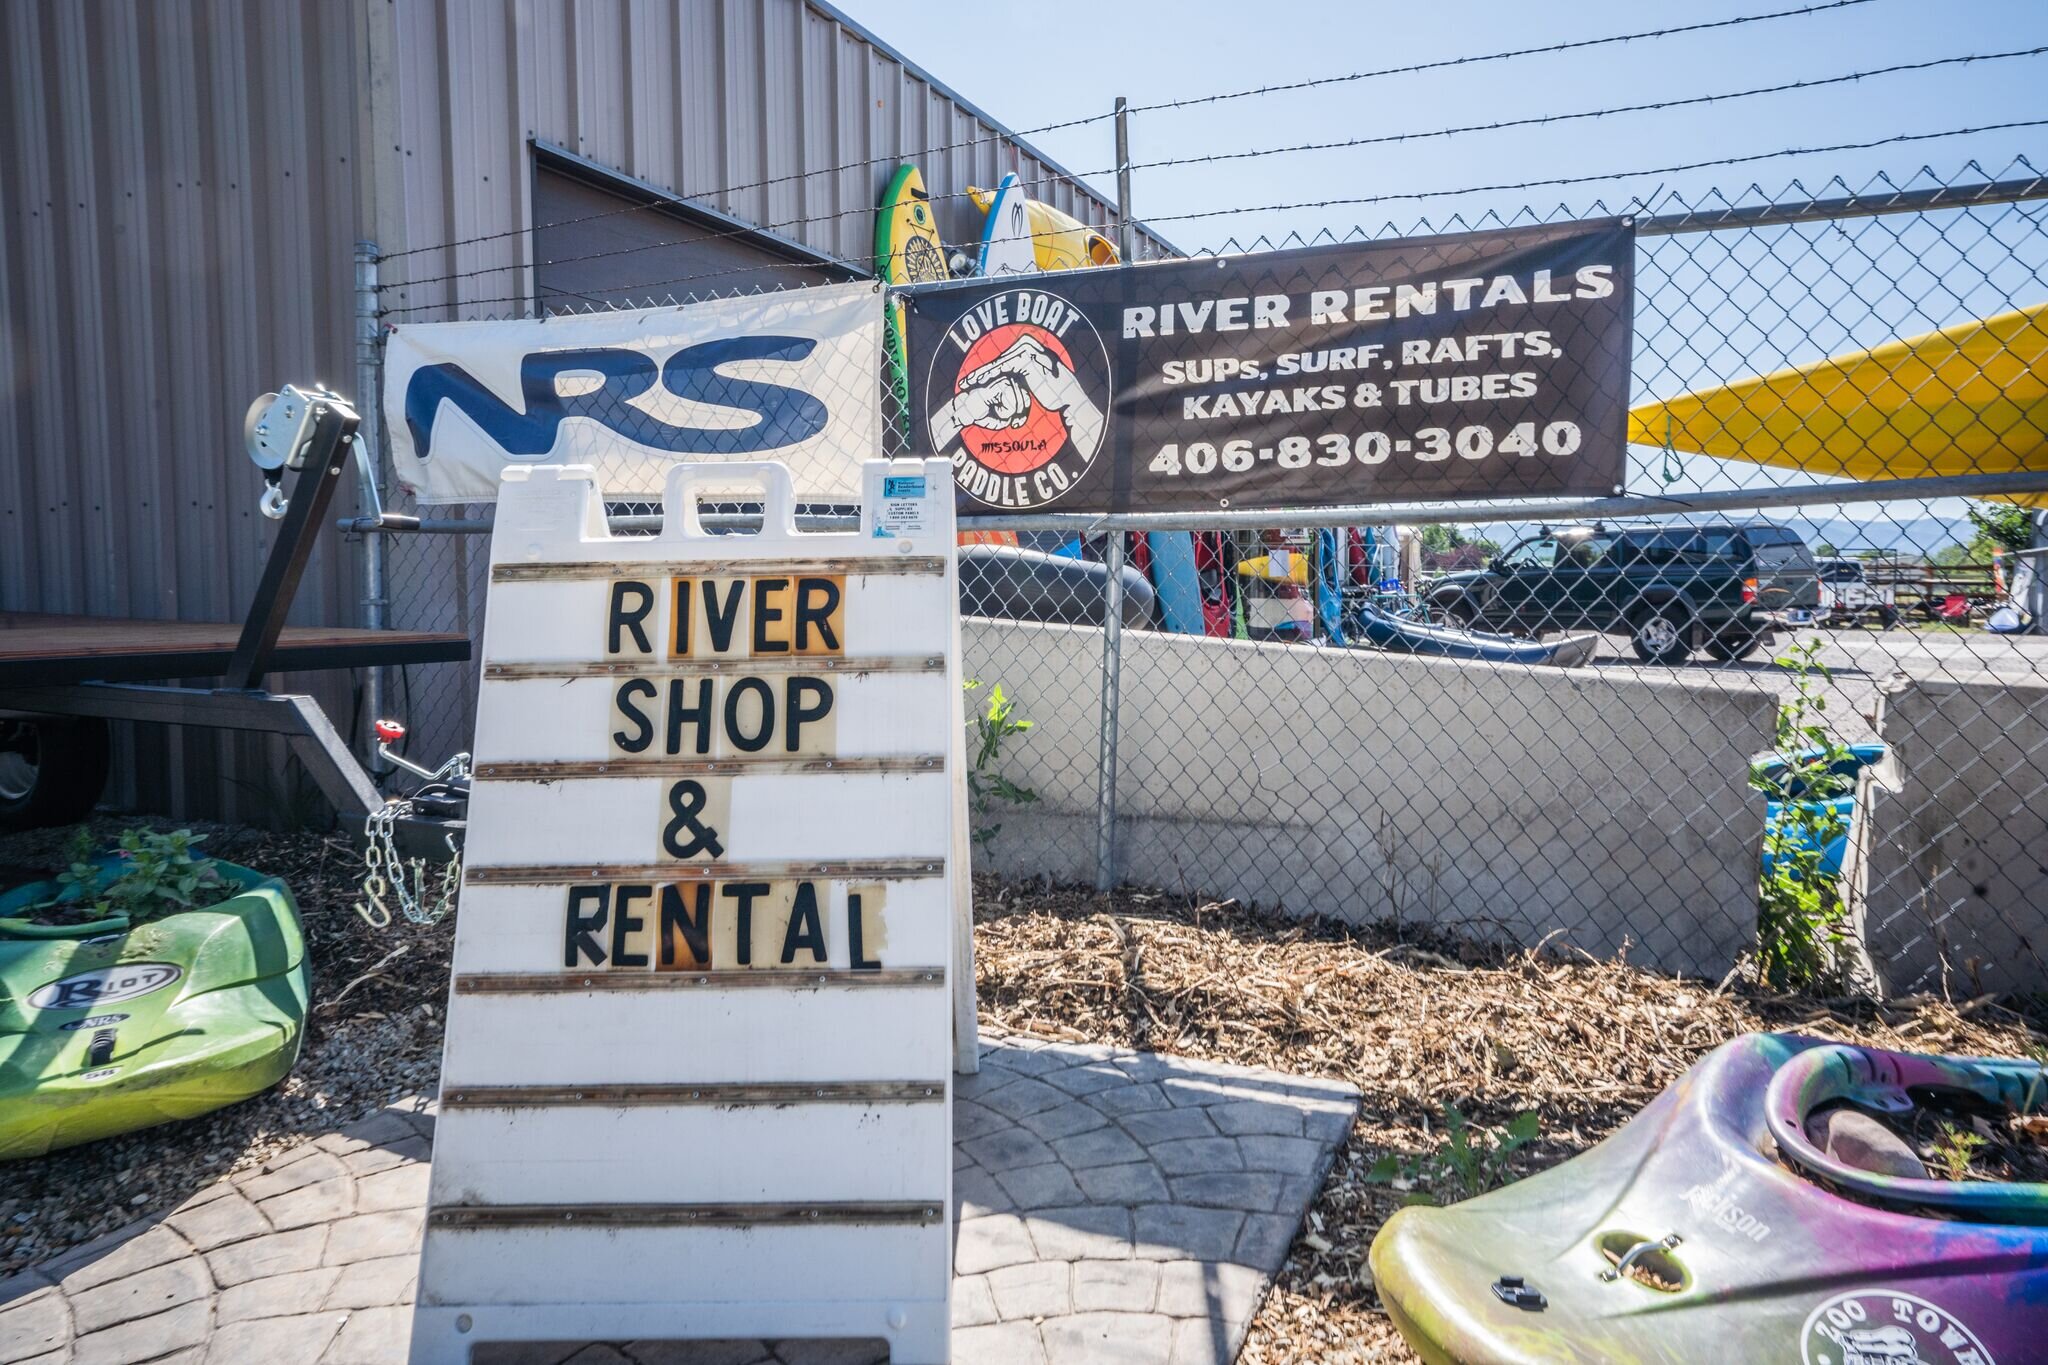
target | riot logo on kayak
x=1887, y=1327
x=1018, y=397
x=104, y=986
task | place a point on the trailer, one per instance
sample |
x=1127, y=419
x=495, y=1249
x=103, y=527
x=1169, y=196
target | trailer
x=1849, y=596
x=62, y=678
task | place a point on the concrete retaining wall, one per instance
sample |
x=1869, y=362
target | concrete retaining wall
x=1512, y=802
x=1954, y=848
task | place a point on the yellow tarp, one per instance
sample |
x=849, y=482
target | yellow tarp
x=1969, y=399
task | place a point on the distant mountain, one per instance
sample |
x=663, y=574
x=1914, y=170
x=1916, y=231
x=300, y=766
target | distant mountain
x=1904, y=535
x=1907, y=535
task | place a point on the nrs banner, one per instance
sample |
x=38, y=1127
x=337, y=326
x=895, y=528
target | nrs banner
x=790, y=376
x=1473, y=366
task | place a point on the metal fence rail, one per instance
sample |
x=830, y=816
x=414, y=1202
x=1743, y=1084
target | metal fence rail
x=1274, y=752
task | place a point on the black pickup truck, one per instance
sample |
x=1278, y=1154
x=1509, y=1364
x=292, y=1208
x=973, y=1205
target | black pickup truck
x=1667, y=587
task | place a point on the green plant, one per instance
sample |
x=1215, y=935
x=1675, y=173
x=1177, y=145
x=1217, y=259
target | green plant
x=993, y=726
x=156, y=875
x=1799, y=923
x=1441, y=538
x=2003, y=526
x=1955, y=1149
x=1470, y=1161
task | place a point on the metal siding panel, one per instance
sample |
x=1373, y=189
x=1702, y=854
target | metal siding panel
x=141, y=754
x=187, y=273
x=268, y=160
x=56, y=573
x=85, y=388
x=549, y=94
x=855, y=185
x=424, y=128
x=822, y=108
x=604, y=86
x=484, y=163
x=651, y=26
x=741, y=116
x=696, y=100
x=145, y=244
x=783, y=103
x=18, y=524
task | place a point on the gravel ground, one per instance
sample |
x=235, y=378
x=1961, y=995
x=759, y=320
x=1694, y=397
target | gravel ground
x=1416, y=1023
x=373, y=1036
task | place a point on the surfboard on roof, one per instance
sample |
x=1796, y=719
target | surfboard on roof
x=1006, y=245
x=1059, y=240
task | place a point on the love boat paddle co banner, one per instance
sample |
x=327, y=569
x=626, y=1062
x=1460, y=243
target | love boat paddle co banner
x=1479, y=365
x=789, y=376
x=696, y=1079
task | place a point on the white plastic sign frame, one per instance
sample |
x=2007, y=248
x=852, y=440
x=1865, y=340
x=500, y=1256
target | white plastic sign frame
x=697, y=1073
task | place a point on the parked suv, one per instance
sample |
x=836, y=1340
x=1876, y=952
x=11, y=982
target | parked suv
x=1667, y=587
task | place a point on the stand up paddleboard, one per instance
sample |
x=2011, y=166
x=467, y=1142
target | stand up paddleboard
x=1059, y=240
x=1006, y=233
x=1332, y=565
x=907, y=251
x=1178, y=584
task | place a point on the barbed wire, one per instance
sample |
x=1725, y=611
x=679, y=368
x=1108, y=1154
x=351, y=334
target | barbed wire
x=827, y=259
x=1539, y=120
x=1376, y=139
x=1875, y=192
x=1574, y=45
x=998, y=135
x=1553, y=181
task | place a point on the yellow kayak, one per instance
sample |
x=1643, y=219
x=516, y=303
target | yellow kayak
x=1968, y=399
x=1061, y=241
x=1284, y=566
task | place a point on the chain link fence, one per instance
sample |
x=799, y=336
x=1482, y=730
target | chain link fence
x=1746, y=714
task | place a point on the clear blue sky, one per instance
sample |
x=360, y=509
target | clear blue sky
x=1025, y=71
x=1874, y=280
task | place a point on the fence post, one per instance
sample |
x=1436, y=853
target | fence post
x=1113, y=583
x=369, y=495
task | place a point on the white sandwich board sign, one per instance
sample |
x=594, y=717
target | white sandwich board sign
x=696, y=1080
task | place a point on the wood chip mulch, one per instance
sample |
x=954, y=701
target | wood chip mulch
x=373, y=1036
x=1414, y=1023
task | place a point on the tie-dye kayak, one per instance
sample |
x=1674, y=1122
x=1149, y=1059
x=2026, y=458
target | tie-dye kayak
x=1730, y=1221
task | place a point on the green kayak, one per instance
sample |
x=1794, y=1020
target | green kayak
x=105, y=1028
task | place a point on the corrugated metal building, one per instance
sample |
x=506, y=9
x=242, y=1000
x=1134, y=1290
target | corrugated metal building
x=182, y=185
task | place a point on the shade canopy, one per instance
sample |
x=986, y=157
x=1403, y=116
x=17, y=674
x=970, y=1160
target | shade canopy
x=1968, y=399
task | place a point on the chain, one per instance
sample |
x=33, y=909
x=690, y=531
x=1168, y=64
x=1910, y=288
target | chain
x=387, y=872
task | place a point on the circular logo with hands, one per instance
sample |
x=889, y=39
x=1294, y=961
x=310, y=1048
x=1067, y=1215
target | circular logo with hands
x=1888, y=1327
x=1021, y=412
